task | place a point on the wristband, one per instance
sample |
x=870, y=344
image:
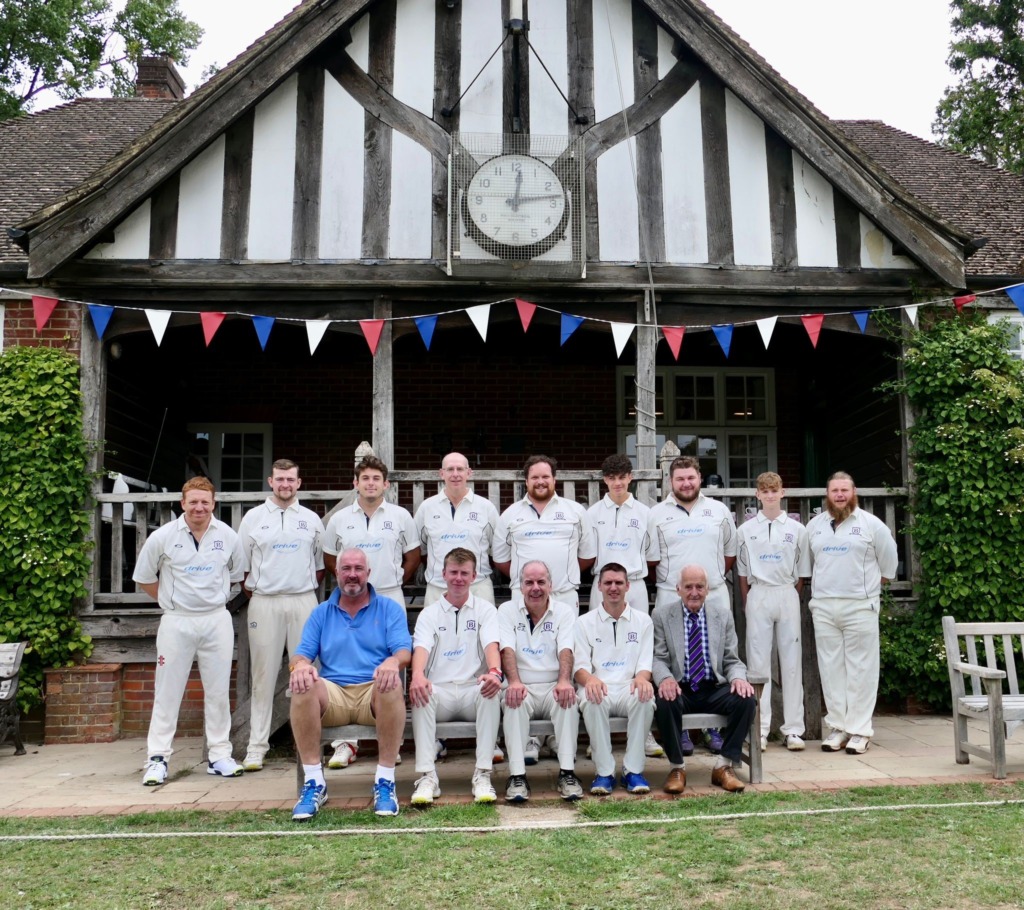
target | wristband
x=498, y=673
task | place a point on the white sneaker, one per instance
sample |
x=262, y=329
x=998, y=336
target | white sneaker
x=343, y=756
x=225, y=767
x=427, y=789
x=652, y=748
x=857, y=745
x=499, y=755
x=794, y=743
x=835, y=741
x=550, y=747
x=764, y=743
x=155, y=772
x=253, y=762
x=532, y=752
x=483, y=789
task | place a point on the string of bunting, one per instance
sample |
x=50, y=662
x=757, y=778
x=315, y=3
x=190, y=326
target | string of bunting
x=101, y=315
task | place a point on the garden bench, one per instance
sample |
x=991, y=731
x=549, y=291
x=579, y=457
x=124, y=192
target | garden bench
x=540, y=728
x=10, y=717
x=1002, y=643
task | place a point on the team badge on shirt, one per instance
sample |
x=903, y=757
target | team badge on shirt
x=789, y=538
x=855, y=532
x=549, y=626
x=470, y=625
x=473, y=516
x=388, y=526
x=632, y=637
x=708, y=513
x=303, y=526
x=634, y=523
x=559, y=516
x=218, y=544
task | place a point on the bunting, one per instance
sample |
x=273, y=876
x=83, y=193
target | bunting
x=861, y=318
x=767, y=328
x=1016, y=294
x=621, y=333
x=961, y=302
x=526, y=311
x=263, y=325
x=812, y=324
x=372, y=329
x=43, y=308
x=480, y=316
x=724, y=335
x=100, y=316
x=211, y=322
x=158, y=320
x=426, y=325
x=569, y=325
x=674, y=337
x=911, y=312
x=315, y=331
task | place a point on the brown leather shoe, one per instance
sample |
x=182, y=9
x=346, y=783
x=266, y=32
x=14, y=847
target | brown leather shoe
x=675, y=783
x=726, y=779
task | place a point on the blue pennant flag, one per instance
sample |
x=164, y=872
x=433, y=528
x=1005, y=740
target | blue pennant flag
x=1016, y=294
x=426, y=325
x=862, y=320
x=100, y=317
x=569, y=325
x=263, y=325
x=724, y=335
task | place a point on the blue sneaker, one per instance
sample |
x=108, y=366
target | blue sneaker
x=713, y=740
x=603, y=785
x=685, y=743
x=313, y=796
x=635, y=783
x=385, y=802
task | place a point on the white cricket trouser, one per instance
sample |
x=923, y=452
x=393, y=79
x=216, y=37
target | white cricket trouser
x=482, y=588
x=456, y=701
x=636, y=597
x=846, y=633
x=773, y=612
x=182, y=638
x=619, y=702
x=274, y=621
x=720, y=595
x=540, y=703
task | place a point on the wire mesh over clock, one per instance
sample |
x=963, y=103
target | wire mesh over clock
x=516, y=202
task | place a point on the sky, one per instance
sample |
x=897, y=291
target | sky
x=870, y=60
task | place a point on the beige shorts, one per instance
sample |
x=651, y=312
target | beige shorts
x=348, y=705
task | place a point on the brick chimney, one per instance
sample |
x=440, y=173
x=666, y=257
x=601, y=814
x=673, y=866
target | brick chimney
x=159, y=79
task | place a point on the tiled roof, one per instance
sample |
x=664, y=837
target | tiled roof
x=46, y=155
x=980, y=199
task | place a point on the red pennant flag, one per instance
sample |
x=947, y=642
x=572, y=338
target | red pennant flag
x=526, y=311
x=211, y=322
x=371, y=332
x=43, y=308
x=674, y=337
x=812, y=324
x=961, y=302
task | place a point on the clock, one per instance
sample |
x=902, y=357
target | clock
x=515, y=206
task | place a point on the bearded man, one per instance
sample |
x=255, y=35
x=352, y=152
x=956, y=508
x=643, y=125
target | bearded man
x=853, y=554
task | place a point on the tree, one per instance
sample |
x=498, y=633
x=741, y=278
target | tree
x=75, y=46
x=983, y=113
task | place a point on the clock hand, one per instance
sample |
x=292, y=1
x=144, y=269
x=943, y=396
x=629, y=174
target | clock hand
x=519, y=187
x=535, y=198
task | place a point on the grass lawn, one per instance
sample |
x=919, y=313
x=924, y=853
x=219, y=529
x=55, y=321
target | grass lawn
x=686, y=853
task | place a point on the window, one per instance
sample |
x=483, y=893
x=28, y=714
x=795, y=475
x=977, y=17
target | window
x=725, y=418
x=1015, y=330
x=235, y=456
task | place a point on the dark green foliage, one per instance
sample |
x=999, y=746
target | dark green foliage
x=44, y=485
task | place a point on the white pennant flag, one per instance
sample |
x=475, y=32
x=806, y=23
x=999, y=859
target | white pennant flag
x=158, y=320
x=911, y=314
x=621, y=332
x=480, y=316
x=315, y=329
x=766, y=327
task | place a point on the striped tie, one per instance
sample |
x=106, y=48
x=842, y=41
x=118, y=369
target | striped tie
x=695, y=652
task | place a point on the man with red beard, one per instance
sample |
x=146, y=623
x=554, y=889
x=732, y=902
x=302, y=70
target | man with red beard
x=853, y=555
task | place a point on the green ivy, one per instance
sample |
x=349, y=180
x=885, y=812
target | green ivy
x=967, y=499
x=44, y=486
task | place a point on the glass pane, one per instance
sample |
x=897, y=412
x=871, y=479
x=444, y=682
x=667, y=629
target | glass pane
x=252, y=471
x=629, y=397
x=748, y=457
x=231, y=444
x=704, y=448
x=254, y=445
x=695, y=399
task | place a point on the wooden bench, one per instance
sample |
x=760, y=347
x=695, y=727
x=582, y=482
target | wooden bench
x=10, y=717
x=1004, y=710
x=541, y=728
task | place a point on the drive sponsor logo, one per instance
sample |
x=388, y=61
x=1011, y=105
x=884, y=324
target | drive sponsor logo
x=620, y=545
x=534, y=652
x=454, y=653
x=286, y=546
x=613, y=664
x=690, y=531
x=370, y=546
x=836, y=549
x=532, y=534
x=199, y=570
x=770, y=557
x=453, y=537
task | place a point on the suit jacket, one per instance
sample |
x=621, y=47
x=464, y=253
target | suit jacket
x=671, y=643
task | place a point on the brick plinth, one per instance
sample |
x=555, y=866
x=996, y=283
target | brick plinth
x=83, y=704
x=137, y=701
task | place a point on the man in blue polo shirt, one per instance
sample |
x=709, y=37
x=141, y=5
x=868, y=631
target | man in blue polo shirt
x=362, y=642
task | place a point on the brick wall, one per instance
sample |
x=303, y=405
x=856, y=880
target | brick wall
x=83, y=704
x=137, y=700
x=64, y=329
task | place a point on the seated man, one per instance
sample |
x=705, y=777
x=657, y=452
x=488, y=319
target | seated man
x=697, y=669
x=362, y=642
x=614, y=653
x=456, y=675
x=536, y=637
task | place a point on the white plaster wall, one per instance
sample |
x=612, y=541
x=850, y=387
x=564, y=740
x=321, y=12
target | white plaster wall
x=131, y=237
x=549, y=114
x=201, y=204
x=682, y=156
x=613, y=57
x=748, y=181
x=618, y=214
x=273, y=174
x=876, y=249
x=815, y=216
x=341, y=182
x=359, y=49
x=414, y=54
x=410, y=199
x=482, y=30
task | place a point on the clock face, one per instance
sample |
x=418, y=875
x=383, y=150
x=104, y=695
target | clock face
x=515, y=207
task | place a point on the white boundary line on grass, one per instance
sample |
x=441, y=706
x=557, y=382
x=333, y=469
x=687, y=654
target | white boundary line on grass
x=504, y=829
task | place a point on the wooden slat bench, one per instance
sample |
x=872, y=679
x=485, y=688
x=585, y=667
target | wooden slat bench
x=10, y=717
x=541, y=728
x=1003, y=710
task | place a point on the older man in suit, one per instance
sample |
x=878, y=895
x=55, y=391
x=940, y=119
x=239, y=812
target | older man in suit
x=697, y=668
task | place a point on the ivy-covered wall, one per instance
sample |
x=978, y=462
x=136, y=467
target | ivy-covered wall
x=44, y=486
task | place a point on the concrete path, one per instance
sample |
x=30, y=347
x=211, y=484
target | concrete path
x=105, y=779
